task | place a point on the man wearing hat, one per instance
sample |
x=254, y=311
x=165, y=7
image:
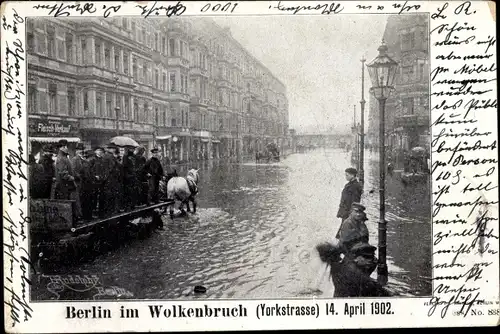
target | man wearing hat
x=87, y=195
x=65, y=179
x=99, y=175
x=48, y=172
x=78, y=164
x=350, y=194
x=111, y=180
x=154, y=172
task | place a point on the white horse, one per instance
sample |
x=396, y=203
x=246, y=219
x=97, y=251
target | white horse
x=183, y=190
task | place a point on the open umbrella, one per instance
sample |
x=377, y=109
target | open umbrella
x=123, y=141
x=418, y=150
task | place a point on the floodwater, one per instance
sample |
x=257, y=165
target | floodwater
x=255, y=233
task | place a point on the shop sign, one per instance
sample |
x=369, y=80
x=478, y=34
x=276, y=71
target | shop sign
x=53, y=128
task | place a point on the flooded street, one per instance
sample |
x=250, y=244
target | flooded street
x=255, y=231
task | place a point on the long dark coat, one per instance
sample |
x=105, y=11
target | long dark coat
x=65, y=180
x=45, y=181
x=350, y=194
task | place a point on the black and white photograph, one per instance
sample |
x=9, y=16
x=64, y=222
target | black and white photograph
x=229, y=157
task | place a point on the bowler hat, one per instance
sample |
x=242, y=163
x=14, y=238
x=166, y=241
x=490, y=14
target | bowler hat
x=98, y=148
x=111, y=145
x=155, y=150
x=79, y=147
x=48, y=148
x=89, y=153
x=63, y=142
x=351, y=171
x=358, y=206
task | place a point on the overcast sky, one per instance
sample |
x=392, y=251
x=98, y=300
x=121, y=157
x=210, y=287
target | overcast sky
x=317, y=58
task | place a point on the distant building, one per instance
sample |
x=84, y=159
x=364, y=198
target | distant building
x=407, y=123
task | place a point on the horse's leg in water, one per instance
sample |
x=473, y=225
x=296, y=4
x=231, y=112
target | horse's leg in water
x=188, y=208
x=194, y=204
x=171, y=210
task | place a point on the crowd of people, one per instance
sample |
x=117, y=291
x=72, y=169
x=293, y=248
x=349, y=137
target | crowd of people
x=101, y=181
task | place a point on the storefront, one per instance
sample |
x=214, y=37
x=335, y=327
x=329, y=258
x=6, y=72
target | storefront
x=44, y=131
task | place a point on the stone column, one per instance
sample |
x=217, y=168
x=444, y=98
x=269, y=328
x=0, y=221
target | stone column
x=132, y=111
x=120, y=66
x=90, y=52
x=112, y=58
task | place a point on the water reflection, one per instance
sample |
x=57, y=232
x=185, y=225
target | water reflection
x=255, y=232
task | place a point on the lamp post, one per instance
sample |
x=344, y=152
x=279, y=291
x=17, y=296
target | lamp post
x=117, y=109
x=362, y=135
x=382, y=71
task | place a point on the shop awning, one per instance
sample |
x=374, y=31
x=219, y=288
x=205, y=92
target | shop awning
x=164, y=137
x=204, y=140
x=54, y=139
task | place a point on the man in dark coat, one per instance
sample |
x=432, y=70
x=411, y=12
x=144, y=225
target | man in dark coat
x=140, y=163
x=65, y=180
x=47, y=177
x=154, y=172
x=99, y=173
x=78, y=164
x=111, y=181
x=35, y=174
x=119, y=203
x=129, y=179
x=88, y=198
x=350, y=194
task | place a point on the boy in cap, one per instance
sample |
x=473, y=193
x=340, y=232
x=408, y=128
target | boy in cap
x=154, y=172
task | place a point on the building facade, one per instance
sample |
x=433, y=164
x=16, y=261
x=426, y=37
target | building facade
x=407, y=122
x=184, y=85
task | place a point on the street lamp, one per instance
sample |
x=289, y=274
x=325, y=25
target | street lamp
x=362, y=136
x=382, y=72
x=117, y=109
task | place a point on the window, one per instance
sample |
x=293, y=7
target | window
x=173, y=121
x=182, y=117
x=144, y=73
x=109, y=111
x=98, y=53
x=117, y=61
x=182, y=83
x=136, y=112
x=134, y=32
x=172, y=82
x=98, y=104
x=85, y=102
x=182, y=48
x=125, y=63
x=107, y=58
x=143, y=35
x=157, y=37
x=145, y=112
x=69, y=48
x=84, y=51
x=164, y=82
x=157, y=117
x=408, y=41
x=60, y=49
x=32, y=99
x=134, y=69
x=164, y=45
x=52, y=98
x=408, y=106
x=125, y=23
x=51, y=41
x=157, y=79
x=408, y=74
x=71, y=102
x=220, y=97
x=126, y=108
x=172, y=47
x=421, y=72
